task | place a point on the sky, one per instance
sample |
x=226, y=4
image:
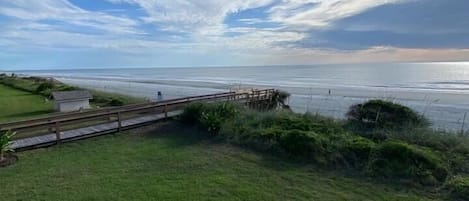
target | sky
x=42, y=34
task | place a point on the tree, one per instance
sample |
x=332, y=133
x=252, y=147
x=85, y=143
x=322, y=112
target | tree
x=5, y=143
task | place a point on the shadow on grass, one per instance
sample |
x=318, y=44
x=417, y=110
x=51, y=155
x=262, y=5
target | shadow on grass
x=28, y=115
x=176, y=134
x=23, y=94
x=179, y=135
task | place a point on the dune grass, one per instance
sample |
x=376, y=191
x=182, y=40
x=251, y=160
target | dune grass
x=174, y=163
x=16, y=104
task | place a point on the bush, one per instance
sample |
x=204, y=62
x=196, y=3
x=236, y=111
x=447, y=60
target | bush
x=289, y=121
x=116, y=102
x=45, y=86
x=459, y=187
x=69, y=88
x=356, y=151
x=209, y=116
x=192, y=113
x=302, y=144
x=5, y=143
x=278, y=100
x=245, y=129
x=400, y=160
x=326, y=142
x=300, y=136
x=379, y=114
x=211, y=121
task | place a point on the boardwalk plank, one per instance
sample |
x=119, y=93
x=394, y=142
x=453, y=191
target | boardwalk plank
x=94, y=130
x=85, y=131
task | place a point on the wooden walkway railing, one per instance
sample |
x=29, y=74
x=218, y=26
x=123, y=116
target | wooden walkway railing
x=70, y=126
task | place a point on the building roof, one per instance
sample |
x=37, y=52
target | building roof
x=71, y=95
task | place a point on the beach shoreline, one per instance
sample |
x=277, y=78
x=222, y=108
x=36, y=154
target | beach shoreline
x=438, y=91
x=444, y=108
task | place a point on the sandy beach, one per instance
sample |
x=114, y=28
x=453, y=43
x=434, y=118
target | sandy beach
x=444, y=108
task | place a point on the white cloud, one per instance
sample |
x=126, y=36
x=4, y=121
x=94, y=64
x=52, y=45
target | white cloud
x=64, y=11
x=200, y=17
x=34, y=35
x=202, y=23
x=320, y=13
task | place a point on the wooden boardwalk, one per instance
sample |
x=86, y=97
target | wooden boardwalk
x=53, y=130
x=86, y=132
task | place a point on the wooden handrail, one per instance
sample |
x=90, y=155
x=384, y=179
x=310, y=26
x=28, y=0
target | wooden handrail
x=65, y=118
x=104, y=110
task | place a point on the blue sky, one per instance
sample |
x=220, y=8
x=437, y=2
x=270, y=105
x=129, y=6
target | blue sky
x=37, y=34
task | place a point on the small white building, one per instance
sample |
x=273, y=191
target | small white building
x=67, y=101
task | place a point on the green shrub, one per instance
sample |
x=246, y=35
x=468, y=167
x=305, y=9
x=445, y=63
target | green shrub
x=327, y=142
x=5, y=143
x=458, y=187
x=45, y=86
x=244, y=129
x=290, y=121
x=278, y=100
x=69, y=88
x=209, y=116
x=211, y=121
x=394, y=159
x=192, y=113
x=101, y=99
x=301, y=136
x=116, y=102
x=356, y=151
x=303, y=144
x=38, y=79
x=287, y=121
x=379, y=114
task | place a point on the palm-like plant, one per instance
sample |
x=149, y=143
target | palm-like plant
x=278, y=101
x=5, y=143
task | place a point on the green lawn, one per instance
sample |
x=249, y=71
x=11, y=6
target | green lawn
x=171, y=163
x=16, y=104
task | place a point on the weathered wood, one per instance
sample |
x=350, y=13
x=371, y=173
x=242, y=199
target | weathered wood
x=57, y=132
x=169, y=109
x=102, y=112
x=119, y=122
x=31, y=142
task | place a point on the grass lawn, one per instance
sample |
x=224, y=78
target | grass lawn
x=172, y=163
x=16, y=104
x=100, y=98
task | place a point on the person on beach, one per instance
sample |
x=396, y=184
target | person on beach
x=159, y=96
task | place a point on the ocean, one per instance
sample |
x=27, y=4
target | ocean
x=439, y=91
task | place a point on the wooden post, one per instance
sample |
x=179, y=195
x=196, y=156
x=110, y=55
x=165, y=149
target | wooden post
x=256, y=103
x=258, y=100
x=50, y=127
x=165, y=112
x=119, y=122
x=57, y=132
x=463, y=122
x=377, y=116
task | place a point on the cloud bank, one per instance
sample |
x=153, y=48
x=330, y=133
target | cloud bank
x=147, y=33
